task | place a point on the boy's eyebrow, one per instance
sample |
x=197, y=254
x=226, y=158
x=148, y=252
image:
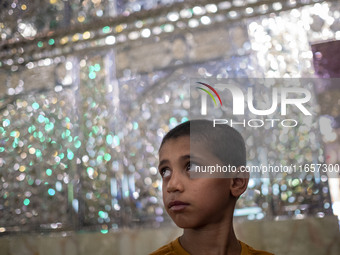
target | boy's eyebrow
x=163, y=162
x=185, y=157
x=166, y=161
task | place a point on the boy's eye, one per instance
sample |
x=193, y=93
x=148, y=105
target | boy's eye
x=192, y=166
x=165, y=172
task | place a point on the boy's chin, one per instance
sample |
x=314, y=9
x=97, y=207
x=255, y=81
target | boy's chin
x=184, y=223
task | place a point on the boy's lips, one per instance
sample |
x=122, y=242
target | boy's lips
x=177, y=205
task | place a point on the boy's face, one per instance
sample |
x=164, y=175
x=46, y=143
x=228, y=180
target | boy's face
x=192, y=203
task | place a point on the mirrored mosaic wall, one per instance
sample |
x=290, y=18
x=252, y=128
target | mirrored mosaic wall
x=29, y=18
x=81, y=122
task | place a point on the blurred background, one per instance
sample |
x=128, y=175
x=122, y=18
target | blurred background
x=88, y=88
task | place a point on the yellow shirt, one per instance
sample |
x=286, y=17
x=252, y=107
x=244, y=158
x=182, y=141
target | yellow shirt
x=175, y=248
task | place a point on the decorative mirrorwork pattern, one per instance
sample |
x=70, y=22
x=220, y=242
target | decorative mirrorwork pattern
x=83, y=110
x=38, y=145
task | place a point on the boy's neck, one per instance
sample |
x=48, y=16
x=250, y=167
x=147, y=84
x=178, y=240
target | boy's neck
x=216, y=239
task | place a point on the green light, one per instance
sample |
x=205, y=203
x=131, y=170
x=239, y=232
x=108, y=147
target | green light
x=100, y=159
x=97, y=67
x=49, y=172
x=31, y=129
x=40, y=44
x=67, y=119
x=41, y=119
x=104, y=231
x=51, y=192
x=40, y=134
x=62, y=155
x=70, y=154
x=92, y=75
x=109, y=139
x=106, y=29
x=15, y=143
x=184, y=119
x=51, y=41
x=77, y=144
x=2, y=149
x=107, y=156
x=35, y=106
x=13, y=133
x=49, y=127
x=38, y=153
x=102, y=214
x=95, y=129
x=26, y=202
x=173, y=121
x=135, y=125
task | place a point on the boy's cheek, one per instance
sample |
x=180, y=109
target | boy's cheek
x=164, y=188
x=163, y=185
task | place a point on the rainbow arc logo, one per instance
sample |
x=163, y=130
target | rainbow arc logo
x=209, y=93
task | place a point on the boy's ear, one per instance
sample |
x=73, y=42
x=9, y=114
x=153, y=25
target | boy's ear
x=239, y=183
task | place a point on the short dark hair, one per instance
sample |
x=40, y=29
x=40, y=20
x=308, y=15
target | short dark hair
x=225, y=142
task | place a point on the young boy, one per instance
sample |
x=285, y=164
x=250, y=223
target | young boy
x=203, y=207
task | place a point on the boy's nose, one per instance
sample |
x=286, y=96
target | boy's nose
x=175, y=184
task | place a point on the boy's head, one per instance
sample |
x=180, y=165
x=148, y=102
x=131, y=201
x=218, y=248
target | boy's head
x=222, y=140
x=193, y=203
